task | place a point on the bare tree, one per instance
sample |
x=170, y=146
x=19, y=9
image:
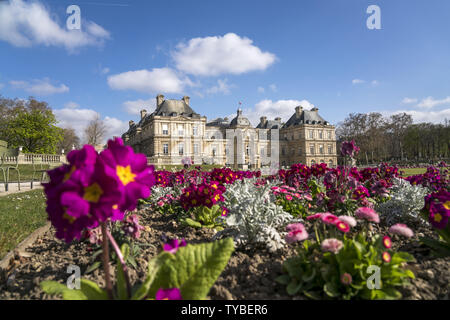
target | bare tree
x=95, y=131
x=70, y=140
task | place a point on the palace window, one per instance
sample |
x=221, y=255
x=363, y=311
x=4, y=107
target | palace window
x=331, y=163
x=195, y=148
x=329, y=134
x=313, y=162
x=321, y=134
x=299, y=151
x=214, y=151
x=180, y=130
x=180, y=149
x=311, y=149
x=165, y=129
x=311, y=134
x=330, y=149
x=321, y=149
x=282, y=151
x=195, y=130
x=166, y=148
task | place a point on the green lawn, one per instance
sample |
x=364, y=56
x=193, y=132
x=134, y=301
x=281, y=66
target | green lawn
x=26, y=173
x=412, y=171
x=20, y=215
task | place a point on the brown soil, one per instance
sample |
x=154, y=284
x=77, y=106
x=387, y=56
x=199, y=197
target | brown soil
x=248, y=275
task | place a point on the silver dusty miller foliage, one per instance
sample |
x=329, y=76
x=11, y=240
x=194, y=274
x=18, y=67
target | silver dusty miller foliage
x=254, y=219
x=404, y=204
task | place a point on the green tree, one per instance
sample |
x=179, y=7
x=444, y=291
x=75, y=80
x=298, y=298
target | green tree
x=30, y=124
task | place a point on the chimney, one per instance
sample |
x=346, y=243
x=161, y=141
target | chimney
x=239, y=112
x=263, y=120
x=298, y=111
x=143, y=113
x=159, y=100
x=131, y=122
x=278, y=119
x=186, y=99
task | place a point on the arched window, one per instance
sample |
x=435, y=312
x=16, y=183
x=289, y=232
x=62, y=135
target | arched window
x=313, y=162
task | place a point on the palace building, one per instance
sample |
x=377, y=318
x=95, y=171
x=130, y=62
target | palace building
x=174, y=131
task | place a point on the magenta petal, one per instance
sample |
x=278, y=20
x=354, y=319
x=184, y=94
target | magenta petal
x=168, y=294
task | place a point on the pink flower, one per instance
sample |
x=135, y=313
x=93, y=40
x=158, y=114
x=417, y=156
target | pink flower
x=160, y=203
x=387, y=242
x=346, y=279
x=368, y=214
x=401, y=229
x=329, y=218
x=288, y=197
x=297, y=232
x=332, y=245
x=134, y=176
x=173, y=245
x=314, y=216
x=297, y=195
x=386, y=257
x=348, y=220
x=342, y=226
x=168, y=294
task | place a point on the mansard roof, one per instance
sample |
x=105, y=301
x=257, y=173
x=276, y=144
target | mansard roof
x=240, y=120
x=219, y=122
x=172, y=107
x=301, y=117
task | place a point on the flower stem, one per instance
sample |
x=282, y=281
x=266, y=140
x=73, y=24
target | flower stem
x=122, y=262
x=105, y=257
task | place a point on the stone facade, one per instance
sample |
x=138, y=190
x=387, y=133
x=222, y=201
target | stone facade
x=174, y=131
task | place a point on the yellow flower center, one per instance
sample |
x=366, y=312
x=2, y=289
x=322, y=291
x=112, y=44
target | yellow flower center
x=115, y=207
x=69, y=174
x=125, y=175
x=69, y=218
x=194, y=201
x=217, y=197
x=93, y=193
x=447, y=205
x=437, y=217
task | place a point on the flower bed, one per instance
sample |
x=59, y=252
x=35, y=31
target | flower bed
x=303, y=233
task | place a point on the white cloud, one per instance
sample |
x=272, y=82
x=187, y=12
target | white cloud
x=104, y=71
x=78, y=119
x=115, y=127
x=272, y=109
x=407, y=100
x=424, y=116
x=135, y=106
x=222, y=86
x=156, y=80
x=24, y=24
x=40, y=87
x=374, y=83
x=228, y=54
x=261, y=89
x=273, y=87
x=71, y=105
x=430, y=102
x=357, y=81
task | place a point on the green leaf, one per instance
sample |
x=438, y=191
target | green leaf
x=391, y=294
x=92, y=291
x=153, y=268
x=293, y=287
x=312, y=295
x=283, y=279
x=74, y=295
x=53, y=287
x=94, y=266
x=193, y=269
x=331, y=289
x=121, y=282
x=192, y=223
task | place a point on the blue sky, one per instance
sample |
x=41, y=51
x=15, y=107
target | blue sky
x=270, y=55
